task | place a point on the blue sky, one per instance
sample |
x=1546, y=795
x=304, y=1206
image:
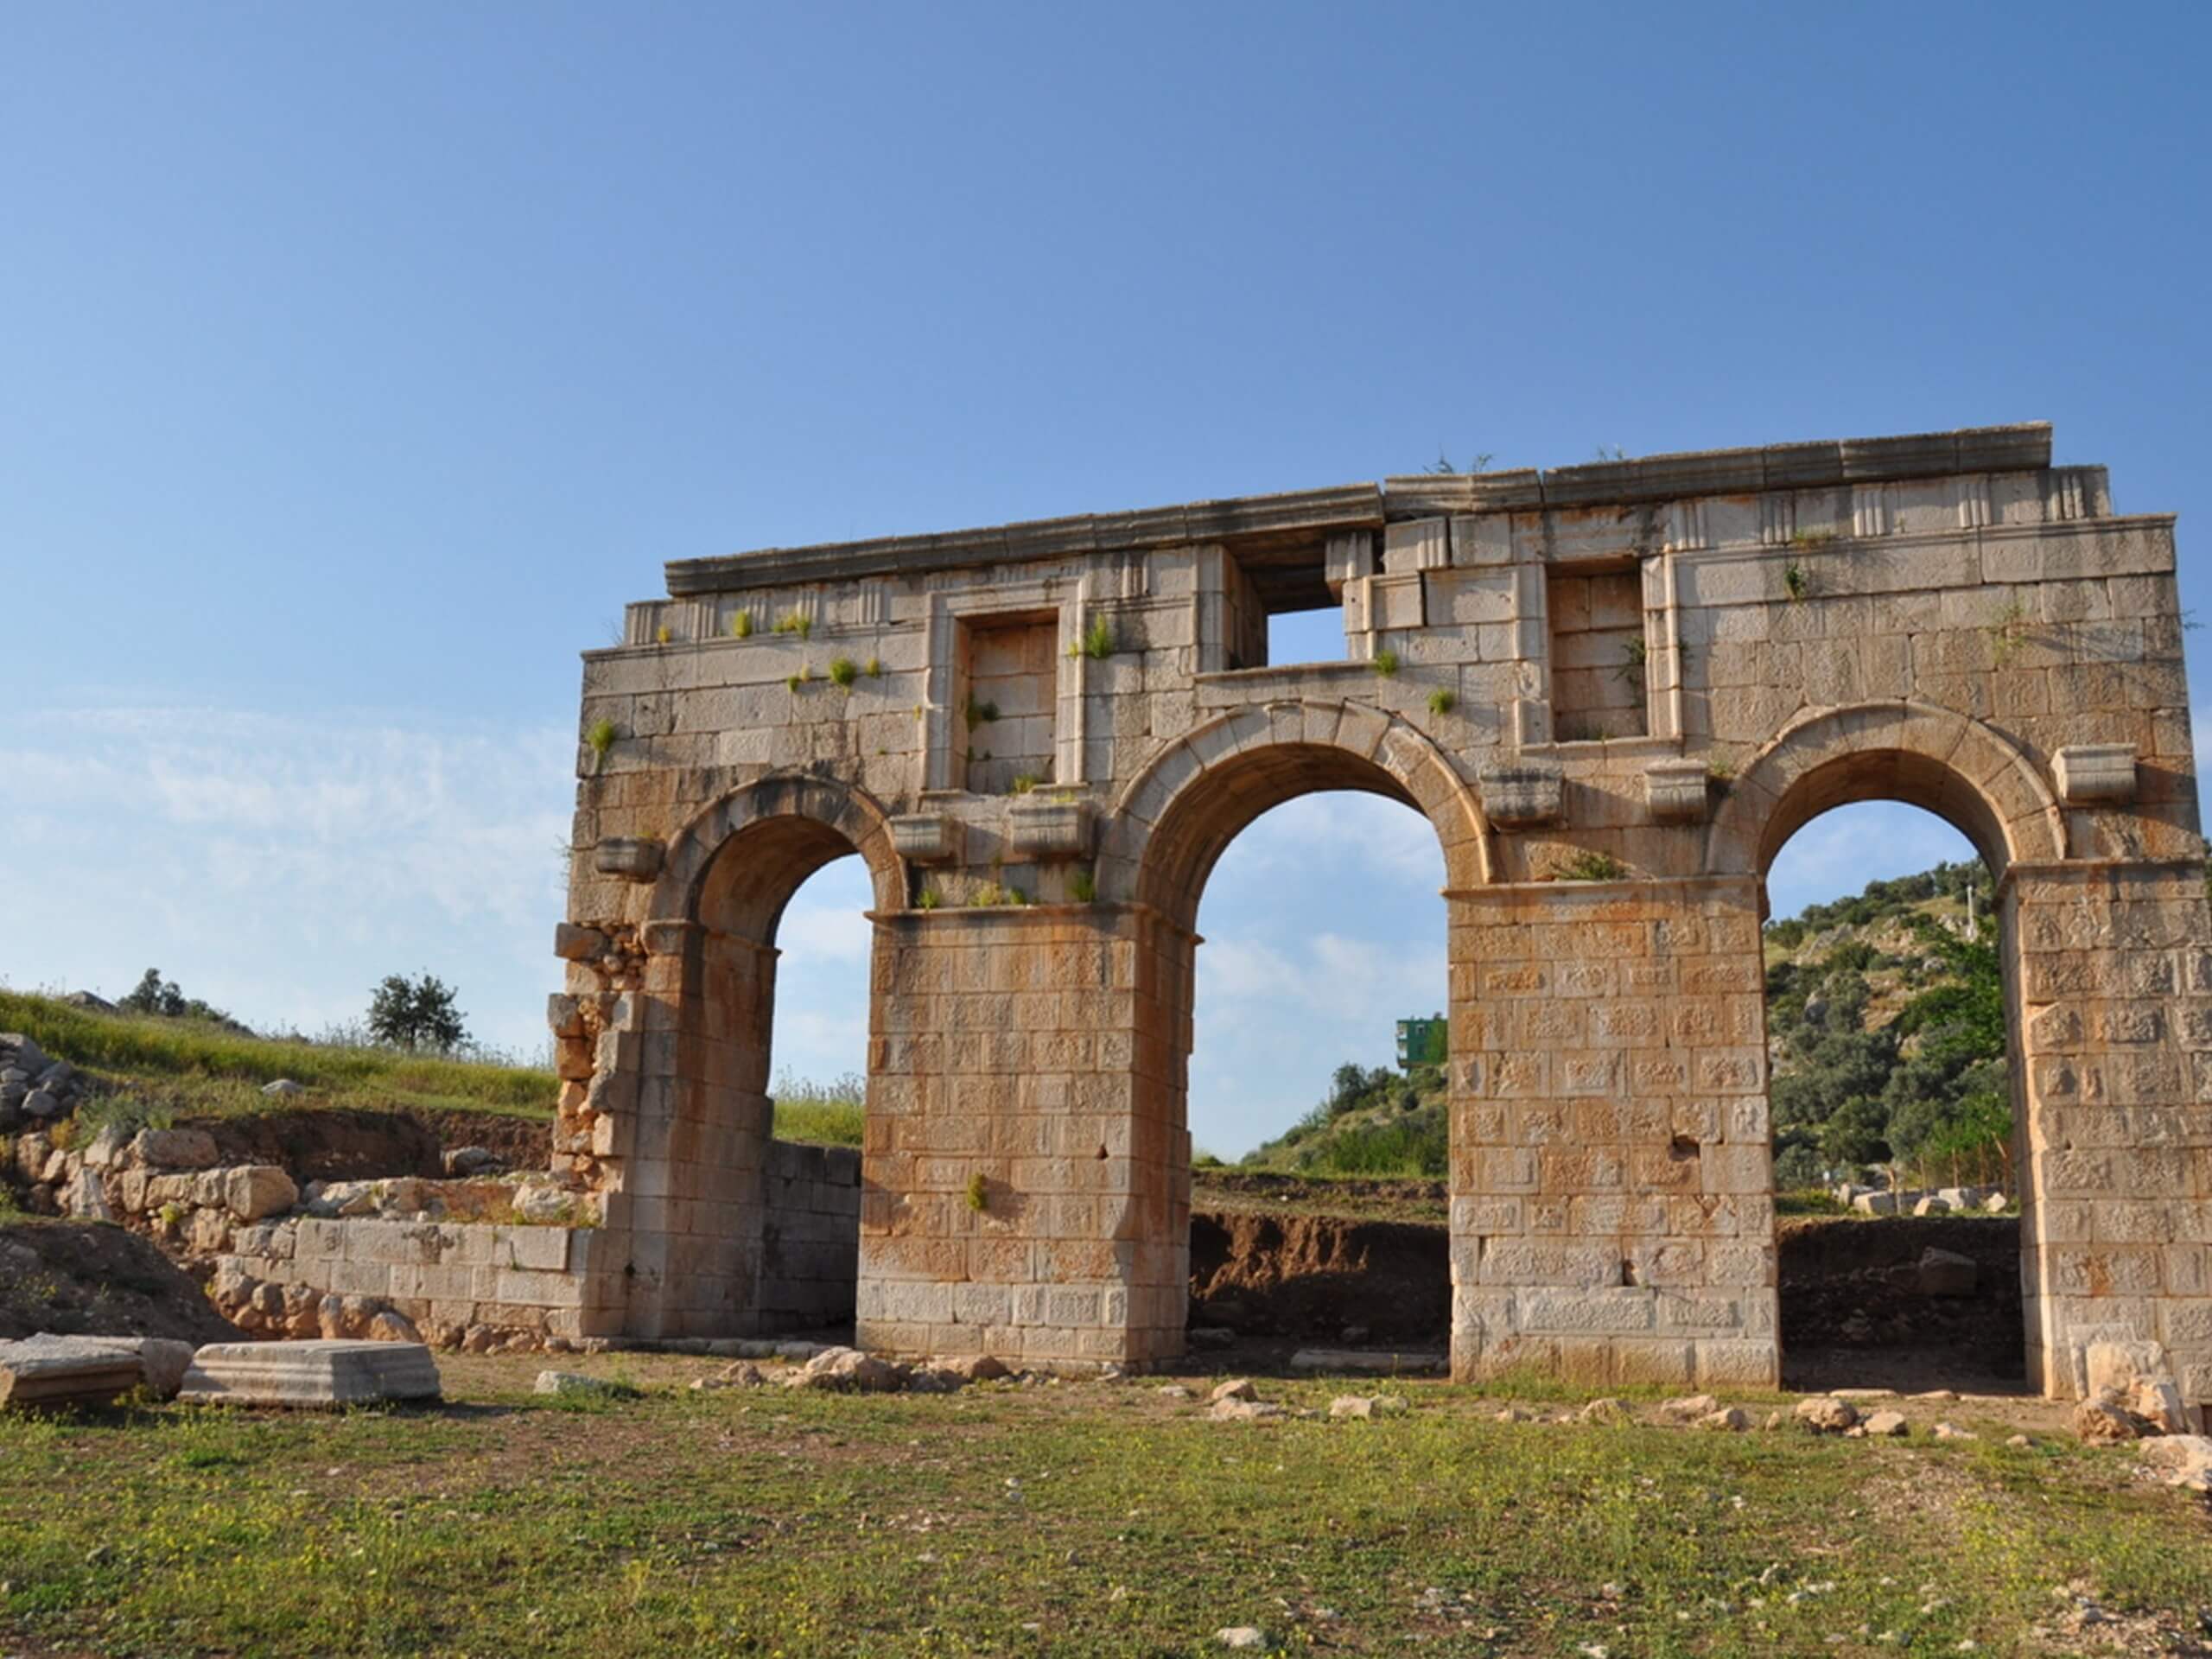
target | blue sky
x=357, y=363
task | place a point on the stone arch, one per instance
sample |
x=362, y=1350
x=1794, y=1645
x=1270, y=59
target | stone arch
x=1178, y=815
x=1964, y=772
x=736, y=866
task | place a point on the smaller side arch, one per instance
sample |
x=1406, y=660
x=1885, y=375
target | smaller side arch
x=1961, y=770
x=1174, y=819
x=791, y=824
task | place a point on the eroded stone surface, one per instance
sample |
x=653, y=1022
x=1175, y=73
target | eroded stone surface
x=1081, y=710
x=310, y=1373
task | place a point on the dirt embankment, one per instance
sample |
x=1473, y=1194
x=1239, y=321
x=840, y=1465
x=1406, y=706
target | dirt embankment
x=77, y=1279
x=337, y=1144
x=1272, y=1274
x=1855, y=1285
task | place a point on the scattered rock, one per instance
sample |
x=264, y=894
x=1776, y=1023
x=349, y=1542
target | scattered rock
x=282, y=1088
x=1690, y=1405
x=1732, y=1420
x=1236, y=1388
x=388, y=1325
x=847, y=1370
x=1242, y=1636
x=2101, y=1419
x=1884, y=1424
x=1952, y=1431
x=1604, y=1410
x=573, y=1384
x=2020, y=1442
x=1174, y=1391
x=1826, y=1415
x=465, y=1161
x=2180, y=1460
x=1516, y=1415
x=972, y=1368
x=742, y=1375
x=1236, y=1410
x=1366, y=1405
x=1857, y=1394
x=1946, y=1273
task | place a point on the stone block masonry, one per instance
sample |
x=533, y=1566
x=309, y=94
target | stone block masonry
x=1039, y=737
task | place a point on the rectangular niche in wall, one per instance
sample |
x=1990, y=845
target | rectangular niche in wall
x=1007, y=687
x=1598, y=651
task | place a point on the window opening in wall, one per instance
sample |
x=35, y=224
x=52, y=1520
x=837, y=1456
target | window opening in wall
x=810, y=1256
x=1005, y=698
x=1324, y=928
x=1313, y=635
x=1891, y=1098
x=1598, y=643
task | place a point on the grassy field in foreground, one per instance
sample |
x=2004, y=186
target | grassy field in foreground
x=178, y=1067
x=1090, y=1518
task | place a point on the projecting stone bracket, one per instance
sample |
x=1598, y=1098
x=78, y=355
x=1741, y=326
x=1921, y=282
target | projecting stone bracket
x=2092, y=774
x=633, y=858
x=1521, y=793
x=926, y=837
x=1674, y=790
x=1049, y=829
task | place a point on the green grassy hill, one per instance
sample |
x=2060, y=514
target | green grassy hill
x=1884, y=1022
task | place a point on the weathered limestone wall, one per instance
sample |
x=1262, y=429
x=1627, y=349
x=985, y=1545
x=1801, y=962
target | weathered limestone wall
x=2114, y=994
x=1609, y=1137
x=521, y=1284
x=1027, y=1195
x=1648, y=671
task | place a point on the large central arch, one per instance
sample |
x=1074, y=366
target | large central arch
x=1176, y=817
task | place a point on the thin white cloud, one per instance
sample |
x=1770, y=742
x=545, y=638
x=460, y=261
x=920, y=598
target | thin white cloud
x=280, y=867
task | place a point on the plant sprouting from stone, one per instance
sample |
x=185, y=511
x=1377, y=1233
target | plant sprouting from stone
x=1385, y=663
x=1023, y=783
x=928, y=898
x=980, y=713
x=1634, y=654
x=1442, y=700
x=599, y=738
x=1794, y=581
x=1098, y=640
x=1589, y=866
x=2008, y=634
x=795, y=621
x=875, y=670
x=1083, y=885
x=741, y=626
x=979, y=1194
x=843, y=671
x=663, y=634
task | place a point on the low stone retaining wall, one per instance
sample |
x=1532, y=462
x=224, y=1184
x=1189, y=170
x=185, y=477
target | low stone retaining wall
x=474, y=1286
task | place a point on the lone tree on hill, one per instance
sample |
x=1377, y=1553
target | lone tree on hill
x=416, y=1015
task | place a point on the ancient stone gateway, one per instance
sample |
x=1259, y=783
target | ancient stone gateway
x=1040, y=736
